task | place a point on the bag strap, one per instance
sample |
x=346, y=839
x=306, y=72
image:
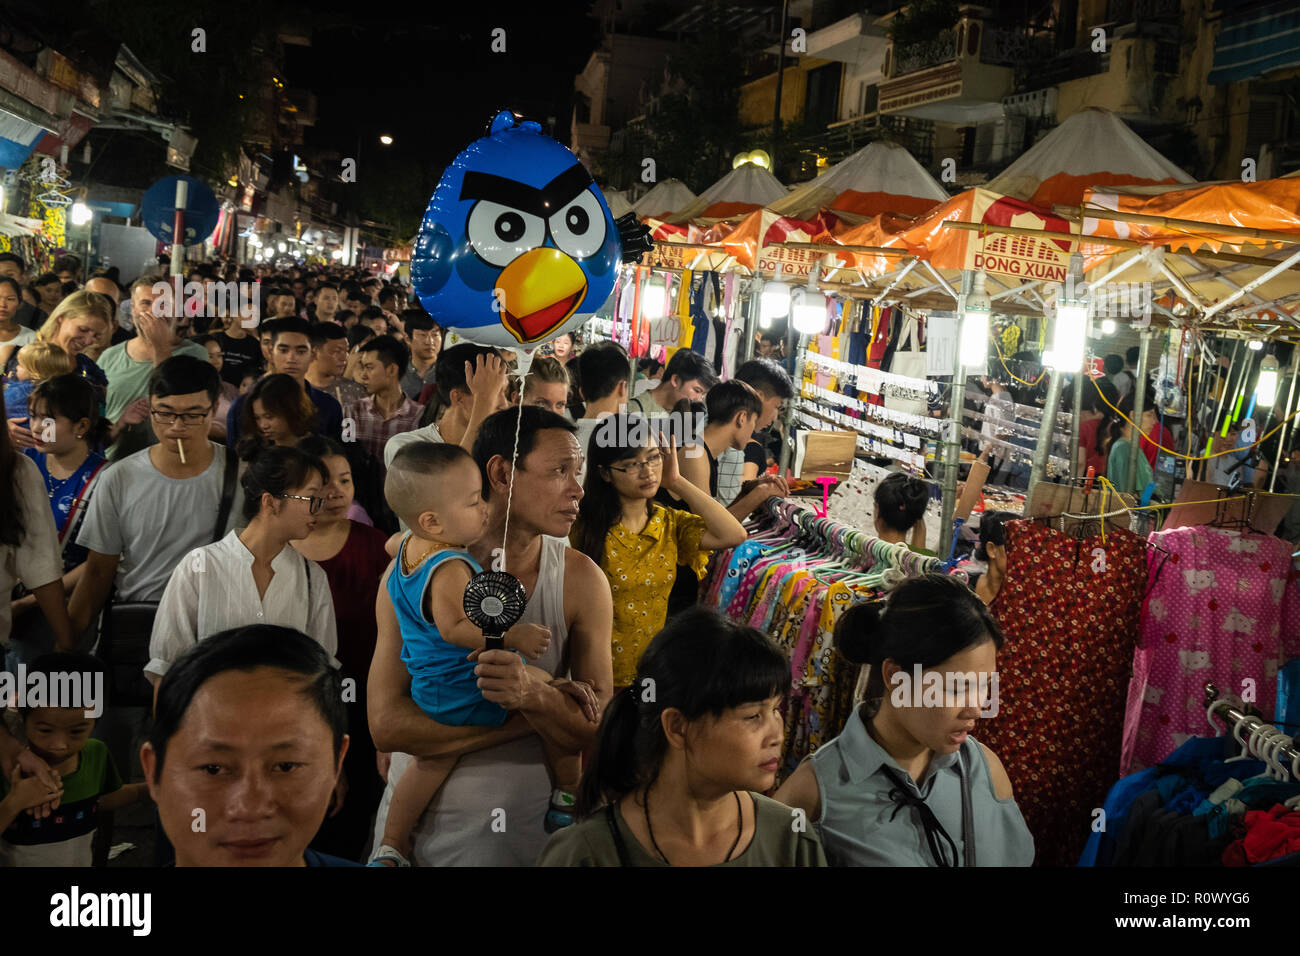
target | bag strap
x=619, y=846
x=70, y=520
x=306, y=567
x=227, y=495
x=967, y=813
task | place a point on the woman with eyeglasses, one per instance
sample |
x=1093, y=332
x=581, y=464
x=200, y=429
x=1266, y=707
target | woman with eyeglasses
x=252, y=576
x=637, y=541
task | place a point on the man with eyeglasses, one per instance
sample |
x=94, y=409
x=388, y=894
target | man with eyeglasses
x=154, y=507
x=129, y=365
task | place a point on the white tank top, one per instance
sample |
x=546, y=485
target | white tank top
x=491, y=809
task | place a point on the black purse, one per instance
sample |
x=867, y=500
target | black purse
x=126, y=627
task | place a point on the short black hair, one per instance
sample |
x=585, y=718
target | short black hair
x=359, y=334
x=322, y=332
x=63, y=662
x=246, y=649
x=727, y=398
x=290, y=325
x=417, y=320
x=268, y=327
x=690, y=366
x=766, y=377
x=373, y=312
x=601, y=368
x=1113, y=364
x=12, y=257
x=46, y=278
x=184, y=374
x=496, y=436
x=1131, y=356
x=391, y=352
x=449, y=369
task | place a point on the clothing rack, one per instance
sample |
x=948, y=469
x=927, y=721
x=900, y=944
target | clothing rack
x=790, y=513
x=1262, y=740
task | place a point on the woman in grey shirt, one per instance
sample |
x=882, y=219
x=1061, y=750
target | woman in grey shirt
x=905, y=784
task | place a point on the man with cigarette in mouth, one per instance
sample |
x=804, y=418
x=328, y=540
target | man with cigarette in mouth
x=152, y=508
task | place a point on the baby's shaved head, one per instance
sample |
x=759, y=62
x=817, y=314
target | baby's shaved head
x=415, y=481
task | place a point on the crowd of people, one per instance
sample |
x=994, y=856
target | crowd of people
x=258, y=531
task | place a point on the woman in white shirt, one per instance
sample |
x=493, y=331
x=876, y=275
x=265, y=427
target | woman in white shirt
x=252, y=576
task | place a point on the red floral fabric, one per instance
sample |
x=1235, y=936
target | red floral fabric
x=1069, y=609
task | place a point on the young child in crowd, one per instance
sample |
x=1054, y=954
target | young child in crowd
x=90, y=783
x=37, y=361
x=436, y=489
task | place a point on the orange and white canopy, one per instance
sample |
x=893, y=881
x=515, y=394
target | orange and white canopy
x=881, y=177
x=1094, y=147
x=746, y=188
x=664, y=199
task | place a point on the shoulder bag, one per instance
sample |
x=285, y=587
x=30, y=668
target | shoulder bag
x=126, y=627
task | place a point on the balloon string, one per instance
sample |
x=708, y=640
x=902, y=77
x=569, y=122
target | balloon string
x=514, y=456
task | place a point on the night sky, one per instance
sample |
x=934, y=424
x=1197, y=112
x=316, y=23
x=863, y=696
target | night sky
x=432, y=83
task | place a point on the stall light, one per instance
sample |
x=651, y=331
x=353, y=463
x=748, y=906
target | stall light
x=1070, y=341
x=1255, y=345
x=654, y=298
x=1266, y=386
x=1107, y=326
x=282, y=247
x=807, y=311
x=973, y=349
x=774, y=303
x=337, y=254
x=80, y=214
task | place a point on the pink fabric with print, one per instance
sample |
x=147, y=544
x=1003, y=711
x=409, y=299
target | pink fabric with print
x=1224, y=609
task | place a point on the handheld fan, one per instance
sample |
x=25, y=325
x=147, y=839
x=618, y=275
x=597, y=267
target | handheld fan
x=494, y=601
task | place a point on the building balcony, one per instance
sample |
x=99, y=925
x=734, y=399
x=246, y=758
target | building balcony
x=589, y=137
x=960, y=76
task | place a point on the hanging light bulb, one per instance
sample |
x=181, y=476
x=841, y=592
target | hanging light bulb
x=1107, y=326
x=774, y=302
x=80, y=214
x=1070, y=342
x=654, y=298
x=1266, y=386
x=807, y=311
x=1255, y=345
x=282, y=247
x=973, y=350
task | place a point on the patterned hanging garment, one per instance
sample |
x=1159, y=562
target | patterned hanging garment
x=1224, y=609
x=1069, y=610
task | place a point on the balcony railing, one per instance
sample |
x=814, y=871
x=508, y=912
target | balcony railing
x=1129, y=11
x=921, y=56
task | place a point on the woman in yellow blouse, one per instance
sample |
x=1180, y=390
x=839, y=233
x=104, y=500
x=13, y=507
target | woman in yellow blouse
x=637, y=542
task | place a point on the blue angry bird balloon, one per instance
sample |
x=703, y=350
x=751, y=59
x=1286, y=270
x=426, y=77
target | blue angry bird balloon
x=517, y=245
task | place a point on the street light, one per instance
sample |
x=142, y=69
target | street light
x=386, y=140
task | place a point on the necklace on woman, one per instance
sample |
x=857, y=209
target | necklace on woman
x=740, y=828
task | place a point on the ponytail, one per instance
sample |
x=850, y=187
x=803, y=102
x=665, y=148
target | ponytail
x=925, y=621
x=700, y=664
